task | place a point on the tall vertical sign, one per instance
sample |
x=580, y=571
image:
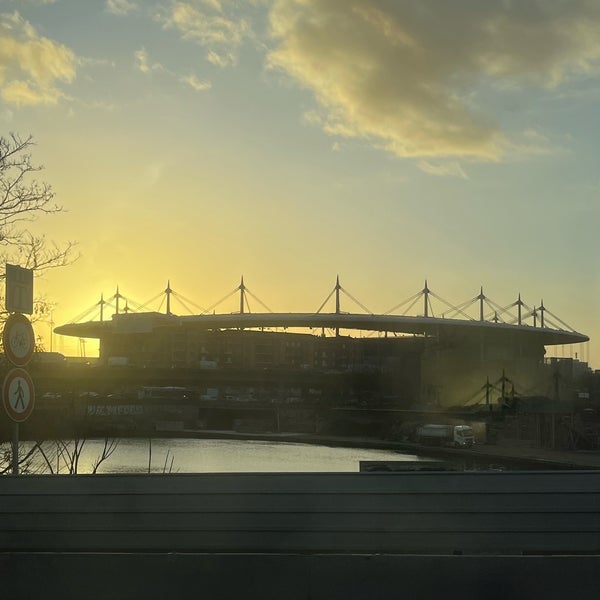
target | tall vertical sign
x=19, y=289
x=18, y=394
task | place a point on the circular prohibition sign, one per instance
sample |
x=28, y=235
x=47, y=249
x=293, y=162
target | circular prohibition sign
x=18, y=395
x=18, y=339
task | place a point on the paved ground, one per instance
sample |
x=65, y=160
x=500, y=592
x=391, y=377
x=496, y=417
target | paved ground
x=568, y=458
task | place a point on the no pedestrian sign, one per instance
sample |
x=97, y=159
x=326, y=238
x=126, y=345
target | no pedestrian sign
x=18, y=395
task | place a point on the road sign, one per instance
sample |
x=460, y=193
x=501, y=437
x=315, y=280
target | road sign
x=19, y=289
x=18, y=340
x=18, y=395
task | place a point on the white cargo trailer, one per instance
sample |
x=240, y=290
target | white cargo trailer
x=459, y=436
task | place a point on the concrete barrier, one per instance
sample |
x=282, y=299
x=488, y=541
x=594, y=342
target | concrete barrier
x=182, y=526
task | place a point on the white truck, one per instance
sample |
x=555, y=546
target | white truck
x=459, y=436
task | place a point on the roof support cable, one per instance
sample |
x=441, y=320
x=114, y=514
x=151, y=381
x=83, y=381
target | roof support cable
x=356, y=301
x=460, y=309
x=184, y=301
x=92, y=310
x=569, y=328
x=498, y=310
x=325, y=301
x=257, y=299
x=213, y=306
x=430, y=311
x=412, y=299
x=413, y=303
x=144, y=306
x=526, y=312
x=454, y=308
x=179, y=299
x=246, y=301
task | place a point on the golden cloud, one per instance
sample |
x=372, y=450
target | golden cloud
x=206, y=24
x=405, y=74
x=31, y=65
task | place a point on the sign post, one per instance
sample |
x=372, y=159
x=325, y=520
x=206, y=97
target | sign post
x=18, y=394
x=15, y=449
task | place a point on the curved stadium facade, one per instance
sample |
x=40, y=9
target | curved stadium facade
x=425, y=360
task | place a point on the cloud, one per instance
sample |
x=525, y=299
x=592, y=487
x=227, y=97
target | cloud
x=88, y=62
x=31, y=66
x=21, y=93
x=120, y=7
x=406, y=74
x=442, y=169
x=207, y=23
x=221, y=60
x=34, y=2
x=144, y=65
x=195, y=83
x=530, y=143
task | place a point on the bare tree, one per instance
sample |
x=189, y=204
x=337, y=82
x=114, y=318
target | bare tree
x=26, y=459
x=70, y=452
x=22, y=199
x=110, y=445
x=55, y=457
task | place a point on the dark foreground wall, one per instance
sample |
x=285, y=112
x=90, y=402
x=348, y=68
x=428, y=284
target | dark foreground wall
x=296, y=577
x=351, y=535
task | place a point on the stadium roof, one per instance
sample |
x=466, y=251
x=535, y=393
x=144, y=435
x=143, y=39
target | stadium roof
x=417, y=325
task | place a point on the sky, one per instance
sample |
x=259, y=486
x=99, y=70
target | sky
x=292, y=141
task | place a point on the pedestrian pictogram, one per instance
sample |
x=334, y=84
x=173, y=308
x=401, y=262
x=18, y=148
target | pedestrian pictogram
x=18, y=339
x=18, y=395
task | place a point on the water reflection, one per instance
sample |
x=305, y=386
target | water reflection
x=142, y=455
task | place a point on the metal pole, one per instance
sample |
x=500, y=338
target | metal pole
x=242, y=291
x=15, y=449
x=554, y=405
x=481, y=299
x=51, y=330
x=168, y=294
x=337, y=302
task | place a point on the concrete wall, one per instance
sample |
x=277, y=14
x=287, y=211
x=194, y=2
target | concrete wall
x=301, y=535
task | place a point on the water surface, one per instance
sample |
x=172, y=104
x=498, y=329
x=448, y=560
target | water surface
x=178, y=455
